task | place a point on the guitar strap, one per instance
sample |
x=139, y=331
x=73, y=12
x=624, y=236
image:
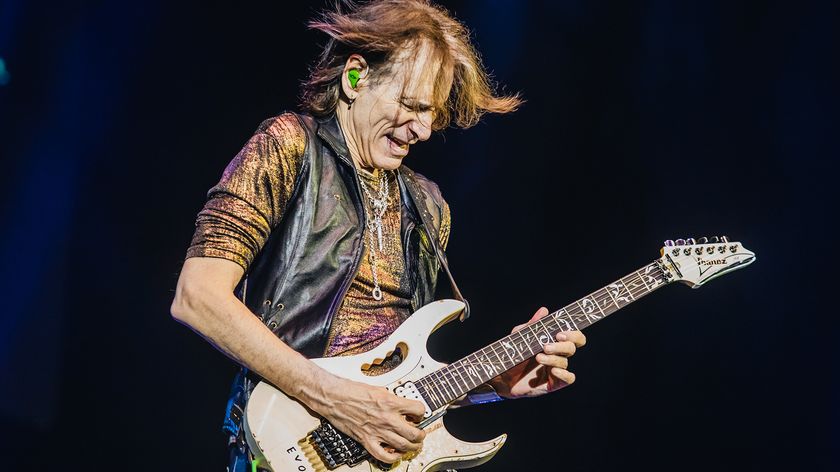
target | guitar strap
x=421, y=206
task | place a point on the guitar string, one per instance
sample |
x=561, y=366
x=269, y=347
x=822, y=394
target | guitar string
x=550, y=324
x=445, y=377
x=600, y=296
x=481, y=361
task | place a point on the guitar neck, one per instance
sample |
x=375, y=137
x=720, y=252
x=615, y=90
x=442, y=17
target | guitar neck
x=451, y=382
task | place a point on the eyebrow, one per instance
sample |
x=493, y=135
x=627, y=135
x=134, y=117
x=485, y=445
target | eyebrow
x=414, y=103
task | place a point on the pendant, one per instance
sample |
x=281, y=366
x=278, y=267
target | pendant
x=379, y=234
x=377, y=293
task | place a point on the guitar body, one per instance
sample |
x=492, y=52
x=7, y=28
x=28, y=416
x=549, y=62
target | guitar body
x=278, y=427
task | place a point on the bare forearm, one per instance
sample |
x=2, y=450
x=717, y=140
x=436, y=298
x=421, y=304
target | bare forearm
x=204, y=301
x=228, y=324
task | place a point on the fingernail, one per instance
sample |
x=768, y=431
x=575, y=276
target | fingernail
x=561, y=337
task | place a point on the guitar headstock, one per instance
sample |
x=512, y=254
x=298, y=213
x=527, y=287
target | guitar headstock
x=695, y=262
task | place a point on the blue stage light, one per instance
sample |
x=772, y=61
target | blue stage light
x=4, y=74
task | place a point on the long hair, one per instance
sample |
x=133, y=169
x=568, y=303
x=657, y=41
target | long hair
x=379, y=31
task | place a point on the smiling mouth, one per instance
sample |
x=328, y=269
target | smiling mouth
x=400, y=146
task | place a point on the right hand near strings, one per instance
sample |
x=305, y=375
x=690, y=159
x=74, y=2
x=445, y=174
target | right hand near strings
x=373, y=416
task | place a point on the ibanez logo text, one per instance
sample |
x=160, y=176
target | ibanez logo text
x=712, y=262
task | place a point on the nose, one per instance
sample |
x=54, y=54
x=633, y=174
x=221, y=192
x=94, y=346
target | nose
x=420, y=127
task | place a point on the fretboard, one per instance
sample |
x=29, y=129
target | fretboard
x=451, y=382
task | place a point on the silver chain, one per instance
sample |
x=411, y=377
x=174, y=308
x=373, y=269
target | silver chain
x=378, y=207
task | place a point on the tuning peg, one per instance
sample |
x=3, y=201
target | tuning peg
x=691, y=241
x=724, y=239
x=714, y=239
x=680, y=242
x=703, y=240
x=669, y=242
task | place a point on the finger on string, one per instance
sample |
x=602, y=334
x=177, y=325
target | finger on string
x=563, y=375
x=553, y=361
x=539, y=314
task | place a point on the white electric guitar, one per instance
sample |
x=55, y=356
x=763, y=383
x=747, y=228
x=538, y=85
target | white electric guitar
x=286, y=436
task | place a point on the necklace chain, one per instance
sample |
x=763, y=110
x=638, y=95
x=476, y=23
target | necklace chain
x=378, y=206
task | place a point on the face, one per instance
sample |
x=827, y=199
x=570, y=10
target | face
x=389, y=114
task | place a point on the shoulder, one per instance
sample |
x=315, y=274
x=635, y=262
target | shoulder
x=432, y=202
x=427, y=186
x=287, y=131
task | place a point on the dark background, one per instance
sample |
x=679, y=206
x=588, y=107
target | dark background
x=645, y=121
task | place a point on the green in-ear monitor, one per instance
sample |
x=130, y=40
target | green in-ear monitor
x=353, y=77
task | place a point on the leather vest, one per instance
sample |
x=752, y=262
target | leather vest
x=298, y=280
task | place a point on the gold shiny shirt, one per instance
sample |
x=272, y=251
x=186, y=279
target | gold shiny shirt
x=363, y=322
x=249, y=201
x=250, y=198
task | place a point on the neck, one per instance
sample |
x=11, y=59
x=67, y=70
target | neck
x=447, y=384
x=345, y=123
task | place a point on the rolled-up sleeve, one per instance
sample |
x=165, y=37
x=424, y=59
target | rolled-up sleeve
x=252, y=195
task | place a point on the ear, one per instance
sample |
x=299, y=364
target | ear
x=358, y=63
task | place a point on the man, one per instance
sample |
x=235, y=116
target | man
x=329, y=240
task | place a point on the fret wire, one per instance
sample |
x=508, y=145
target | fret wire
x=436, y=391
x=533, y=333
x=560, y=318
x=442, y=383
x=430, y=397
x=447, y=383
x=484, y=364
x=595, y=301
x=425, y=395
x=516, y=345
x=471, y=370
x=613, y=297
x=643, y=280
x=449, y=373
x=571, y=320
x=547, y=334
x=584, y=312
x=493, y=365
x=458, y=386
x=461, y=367
x=601, y=297
x=472, y=365
x=513, y=362
x=502, y=364
x=434, y=398
x=634, y=282
x=463, y=384
x=524, y=340
x=488, y=365
x=481, y=369
x=625, y=287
